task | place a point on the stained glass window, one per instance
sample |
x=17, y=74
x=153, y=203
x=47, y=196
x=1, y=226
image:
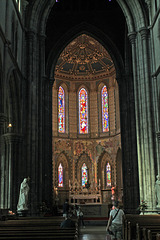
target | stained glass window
x=83, y=111
x=105, y=115
x=84, y=174
x=60, y=175
x=108, y=174
x=61, y=110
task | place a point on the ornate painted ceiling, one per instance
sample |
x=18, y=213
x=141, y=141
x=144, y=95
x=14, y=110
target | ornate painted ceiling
x=84, y=58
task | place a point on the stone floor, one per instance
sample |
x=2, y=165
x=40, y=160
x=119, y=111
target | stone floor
x=93, y=233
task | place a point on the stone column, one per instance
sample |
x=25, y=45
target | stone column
x=148, y=166
x=54, y=111
x=40, y=106
x=12, y=167
x=158, y=162
x=3, y=123
x=129, y=119
x=132, y=38
x=47, y=173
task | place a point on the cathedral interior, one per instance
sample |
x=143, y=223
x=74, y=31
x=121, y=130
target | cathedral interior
x=79, y=103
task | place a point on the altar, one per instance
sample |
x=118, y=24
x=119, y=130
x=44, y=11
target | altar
x=85, y=198
x=84, y=195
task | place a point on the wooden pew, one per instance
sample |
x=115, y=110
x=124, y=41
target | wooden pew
x=141, y=227
x=31, y=228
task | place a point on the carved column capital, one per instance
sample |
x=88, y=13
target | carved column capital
x=132, y=37
x=13, y=137
x=158, y=136
x=148, y=2
x=144, y=33
x=3, y=118
x=30, y=34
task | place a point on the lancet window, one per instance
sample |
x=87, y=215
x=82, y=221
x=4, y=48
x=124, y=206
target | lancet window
x=84, y=174
x=61, y=110
x=60, y=175
x=108, y=175
x=105, y=112
x=83, y=111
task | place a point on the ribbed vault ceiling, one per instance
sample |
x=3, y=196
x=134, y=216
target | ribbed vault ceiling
x=84, y=57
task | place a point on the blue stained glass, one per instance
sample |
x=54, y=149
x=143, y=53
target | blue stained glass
x=61, y=110
x=84, y=174
x=60, y=175
x=105, y=114
x=83, y=111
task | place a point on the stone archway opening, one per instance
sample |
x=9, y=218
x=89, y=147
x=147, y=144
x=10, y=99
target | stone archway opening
x=86, y=64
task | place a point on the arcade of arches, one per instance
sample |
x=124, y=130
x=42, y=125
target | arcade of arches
x=79, y=102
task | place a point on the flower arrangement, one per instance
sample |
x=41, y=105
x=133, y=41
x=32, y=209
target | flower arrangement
x=142, y=206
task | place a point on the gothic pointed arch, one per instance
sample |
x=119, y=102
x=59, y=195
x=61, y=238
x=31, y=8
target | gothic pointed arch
x=60, y=109
x=103, y=107
x=133, y=11
x=103, y=161
x=62, y=160
x=83, y=110
x=84, y=159
x=92, y=31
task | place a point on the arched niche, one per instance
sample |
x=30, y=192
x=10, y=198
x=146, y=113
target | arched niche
x=101, y=169
x=55, y=90
x=62, y=158
x=84, y=158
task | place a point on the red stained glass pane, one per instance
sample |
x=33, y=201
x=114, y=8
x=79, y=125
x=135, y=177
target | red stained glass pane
x=105, y=115
x=83, y=111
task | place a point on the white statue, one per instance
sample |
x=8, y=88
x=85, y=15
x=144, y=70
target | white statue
x=157, y=189
x=23, y=196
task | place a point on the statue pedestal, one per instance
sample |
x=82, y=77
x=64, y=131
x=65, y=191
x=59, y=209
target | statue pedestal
x=22, y=213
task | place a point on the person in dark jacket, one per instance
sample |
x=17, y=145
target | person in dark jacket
x=67, y=223
x=65, y=209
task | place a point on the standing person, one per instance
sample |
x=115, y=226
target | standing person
x=80, y=217
x=115, y=222
x=65, y=209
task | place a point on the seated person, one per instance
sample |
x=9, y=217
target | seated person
x=67, y=223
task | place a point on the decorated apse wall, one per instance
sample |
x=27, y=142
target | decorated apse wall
x=95, y=154
x=86, y=119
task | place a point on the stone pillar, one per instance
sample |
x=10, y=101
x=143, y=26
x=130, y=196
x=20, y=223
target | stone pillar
x=132, y=38
x=54, y=111
x=158, y=162
x=3, y=123
x=12, y=167
x=40, y=106
x=47, y=178
x=129, y=139
x=148, y=164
